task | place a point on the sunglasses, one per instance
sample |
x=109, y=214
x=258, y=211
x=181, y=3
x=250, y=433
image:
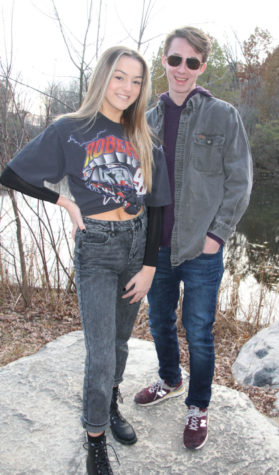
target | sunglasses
x=192, y=63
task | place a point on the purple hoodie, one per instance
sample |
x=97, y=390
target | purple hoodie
x=172, y=117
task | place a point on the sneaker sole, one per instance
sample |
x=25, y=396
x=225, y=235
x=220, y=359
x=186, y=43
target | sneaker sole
x=177, y=393
x=199, y=447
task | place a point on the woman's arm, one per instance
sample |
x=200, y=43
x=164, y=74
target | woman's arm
x=10, y=179
x=153, y=235
x=140, y=284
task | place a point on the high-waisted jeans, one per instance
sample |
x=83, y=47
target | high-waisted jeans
x=201, y=277
x=106, y=257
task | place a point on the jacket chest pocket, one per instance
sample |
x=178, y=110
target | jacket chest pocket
x=207, y=153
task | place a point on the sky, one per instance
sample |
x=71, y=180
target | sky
x=30, y=35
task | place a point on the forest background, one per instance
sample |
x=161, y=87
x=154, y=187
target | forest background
x=36, y=274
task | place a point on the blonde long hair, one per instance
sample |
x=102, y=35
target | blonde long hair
x=133, y=119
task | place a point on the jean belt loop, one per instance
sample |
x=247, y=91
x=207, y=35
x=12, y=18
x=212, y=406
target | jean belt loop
x=111, y=228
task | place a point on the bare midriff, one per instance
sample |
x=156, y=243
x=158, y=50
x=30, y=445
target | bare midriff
x=118, y=214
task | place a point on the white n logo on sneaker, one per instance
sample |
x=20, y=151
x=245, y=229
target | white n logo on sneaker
x=203, y=423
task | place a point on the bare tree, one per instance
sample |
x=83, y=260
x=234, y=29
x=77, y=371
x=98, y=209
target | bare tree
x=78, y=56
x=59, y=99
x=12, y=135
x=15, y=132
x=147, y=7
x=98, y=32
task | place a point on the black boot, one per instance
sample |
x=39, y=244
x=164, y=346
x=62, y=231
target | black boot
x=97, y=460
x=120, y=428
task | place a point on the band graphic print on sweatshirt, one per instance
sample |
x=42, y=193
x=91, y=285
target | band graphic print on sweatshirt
x=112, y=168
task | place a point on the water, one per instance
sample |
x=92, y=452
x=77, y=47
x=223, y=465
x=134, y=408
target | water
x=252, y=254
x=260, y=227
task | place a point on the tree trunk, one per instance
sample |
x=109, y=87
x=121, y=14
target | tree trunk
x=24, y=285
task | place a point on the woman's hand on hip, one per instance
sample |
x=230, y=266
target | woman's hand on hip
x=140, y=284
x=74, y=213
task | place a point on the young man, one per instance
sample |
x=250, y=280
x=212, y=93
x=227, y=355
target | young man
x=210, y=171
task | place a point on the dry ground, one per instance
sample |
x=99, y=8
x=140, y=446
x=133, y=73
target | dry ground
x=25, y=331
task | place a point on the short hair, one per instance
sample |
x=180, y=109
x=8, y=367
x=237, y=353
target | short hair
x=195, y=37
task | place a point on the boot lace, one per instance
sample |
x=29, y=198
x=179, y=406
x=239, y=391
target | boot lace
x=114, y=410
x=116, y=414
x=100, y=456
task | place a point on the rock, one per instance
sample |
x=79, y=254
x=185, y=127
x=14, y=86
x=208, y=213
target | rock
x=40, y=401
x=258, y=360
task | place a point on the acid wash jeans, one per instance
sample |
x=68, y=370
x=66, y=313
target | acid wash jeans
x=106, y=257
x=201, y=277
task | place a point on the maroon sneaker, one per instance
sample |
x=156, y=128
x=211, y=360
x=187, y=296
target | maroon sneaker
x=196, y=430
x=158, y=392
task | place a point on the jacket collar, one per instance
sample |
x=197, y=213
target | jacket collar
x=193, y=102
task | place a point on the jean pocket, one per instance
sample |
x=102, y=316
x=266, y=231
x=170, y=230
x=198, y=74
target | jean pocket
x=94, y=238
x=211, y=255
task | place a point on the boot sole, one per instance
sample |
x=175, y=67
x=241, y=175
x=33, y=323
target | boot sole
x=124, y=441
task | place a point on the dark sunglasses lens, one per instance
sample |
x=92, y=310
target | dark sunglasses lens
x=174, y=60
x=193, y=63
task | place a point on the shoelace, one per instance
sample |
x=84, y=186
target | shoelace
x=157, y=386
x=101, y=459
x=116, y=414
x=193, y=416
x=114, y=410
x=120, y=397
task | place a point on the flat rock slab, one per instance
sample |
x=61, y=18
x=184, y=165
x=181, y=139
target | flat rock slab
x=40, y=406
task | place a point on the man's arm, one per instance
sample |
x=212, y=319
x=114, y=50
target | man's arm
x=238, y=169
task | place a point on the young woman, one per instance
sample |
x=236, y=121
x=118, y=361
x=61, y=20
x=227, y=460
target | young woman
x=118, y=180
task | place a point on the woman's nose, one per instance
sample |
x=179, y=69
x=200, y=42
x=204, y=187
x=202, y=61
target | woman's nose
x=126, y=85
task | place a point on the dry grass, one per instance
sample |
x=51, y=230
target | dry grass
x=25, y=331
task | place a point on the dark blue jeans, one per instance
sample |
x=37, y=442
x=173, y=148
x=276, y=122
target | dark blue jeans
x=201, y=277
x=107, y=256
